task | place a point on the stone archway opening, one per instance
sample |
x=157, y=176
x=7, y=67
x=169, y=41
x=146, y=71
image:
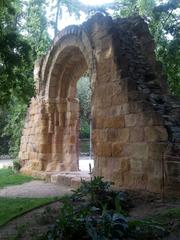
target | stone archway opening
x=67, y=69
x=85, y=124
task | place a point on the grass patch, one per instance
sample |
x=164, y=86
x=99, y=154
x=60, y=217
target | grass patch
x=13, y=207
x=8, y=177
x=165, y=216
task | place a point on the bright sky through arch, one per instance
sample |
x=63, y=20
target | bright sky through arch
x=70, y=19
x=96, y=2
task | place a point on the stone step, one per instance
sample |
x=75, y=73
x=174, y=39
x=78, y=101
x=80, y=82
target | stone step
x=70, y=179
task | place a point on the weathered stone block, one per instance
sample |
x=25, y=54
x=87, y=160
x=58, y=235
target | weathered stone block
x=132, y=120
x=23, y=147
x=36, y=165
x=117, y=149
x=118, y=110
x=135, y=107
x=121, y=135
x=33, y=155
x=56, y=148
x=155, y=133
x=119, y=99
x=73, y=139
x=137, y=150
x=44, y=157
x=136, y=134
x=44, y=148
x=172, y=169
x=136, y=165
x=156, y=150
x=53, y=92
x=114, y=122
x=112, y=135
x=152, y=118
x=73, y=107
x=125, y=164
x=98, y=122
x=103, y=149
x=24, y=156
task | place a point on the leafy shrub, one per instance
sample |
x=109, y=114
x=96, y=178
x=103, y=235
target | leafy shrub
x=84, y=128
x=4, y=140
x=84, y=95
x=16, y=165
x=14, y=125
x=99, y=193
x=96, y=212
x=85, y=222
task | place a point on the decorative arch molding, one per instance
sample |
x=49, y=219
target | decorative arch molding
x=136, y=123
x=69, y=38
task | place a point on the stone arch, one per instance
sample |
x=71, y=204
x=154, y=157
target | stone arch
x=71, y=48
x=70, y=57
x=135, y=121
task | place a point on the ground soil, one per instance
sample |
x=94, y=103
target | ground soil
x=30, y=225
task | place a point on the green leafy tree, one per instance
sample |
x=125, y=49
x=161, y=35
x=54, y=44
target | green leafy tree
x=166, y=30
x=23, y=38
x=4, y=140
x=163, y=20
x=84, y=95
x=14, y=124
x=36, y=27
x=14, y=56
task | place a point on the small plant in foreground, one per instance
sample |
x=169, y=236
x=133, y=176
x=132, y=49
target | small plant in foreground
x=16, y=165
x=99, y=193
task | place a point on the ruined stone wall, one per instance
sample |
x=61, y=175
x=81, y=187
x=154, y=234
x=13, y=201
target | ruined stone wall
x=146, y=74
x=135, y=122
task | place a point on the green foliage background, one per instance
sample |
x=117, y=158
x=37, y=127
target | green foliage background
x=23, y=37
x=84, y=95
x=163, y=19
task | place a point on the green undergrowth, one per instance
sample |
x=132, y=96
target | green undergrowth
x=13, y=207
x=166, y=215
x=169, y=219
x=94, y=211
x=9, y=177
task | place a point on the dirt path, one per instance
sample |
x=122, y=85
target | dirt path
x=34, y=189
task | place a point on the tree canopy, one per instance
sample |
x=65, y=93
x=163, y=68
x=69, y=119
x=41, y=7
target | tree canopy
x=163, y=19
x=14, y=56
